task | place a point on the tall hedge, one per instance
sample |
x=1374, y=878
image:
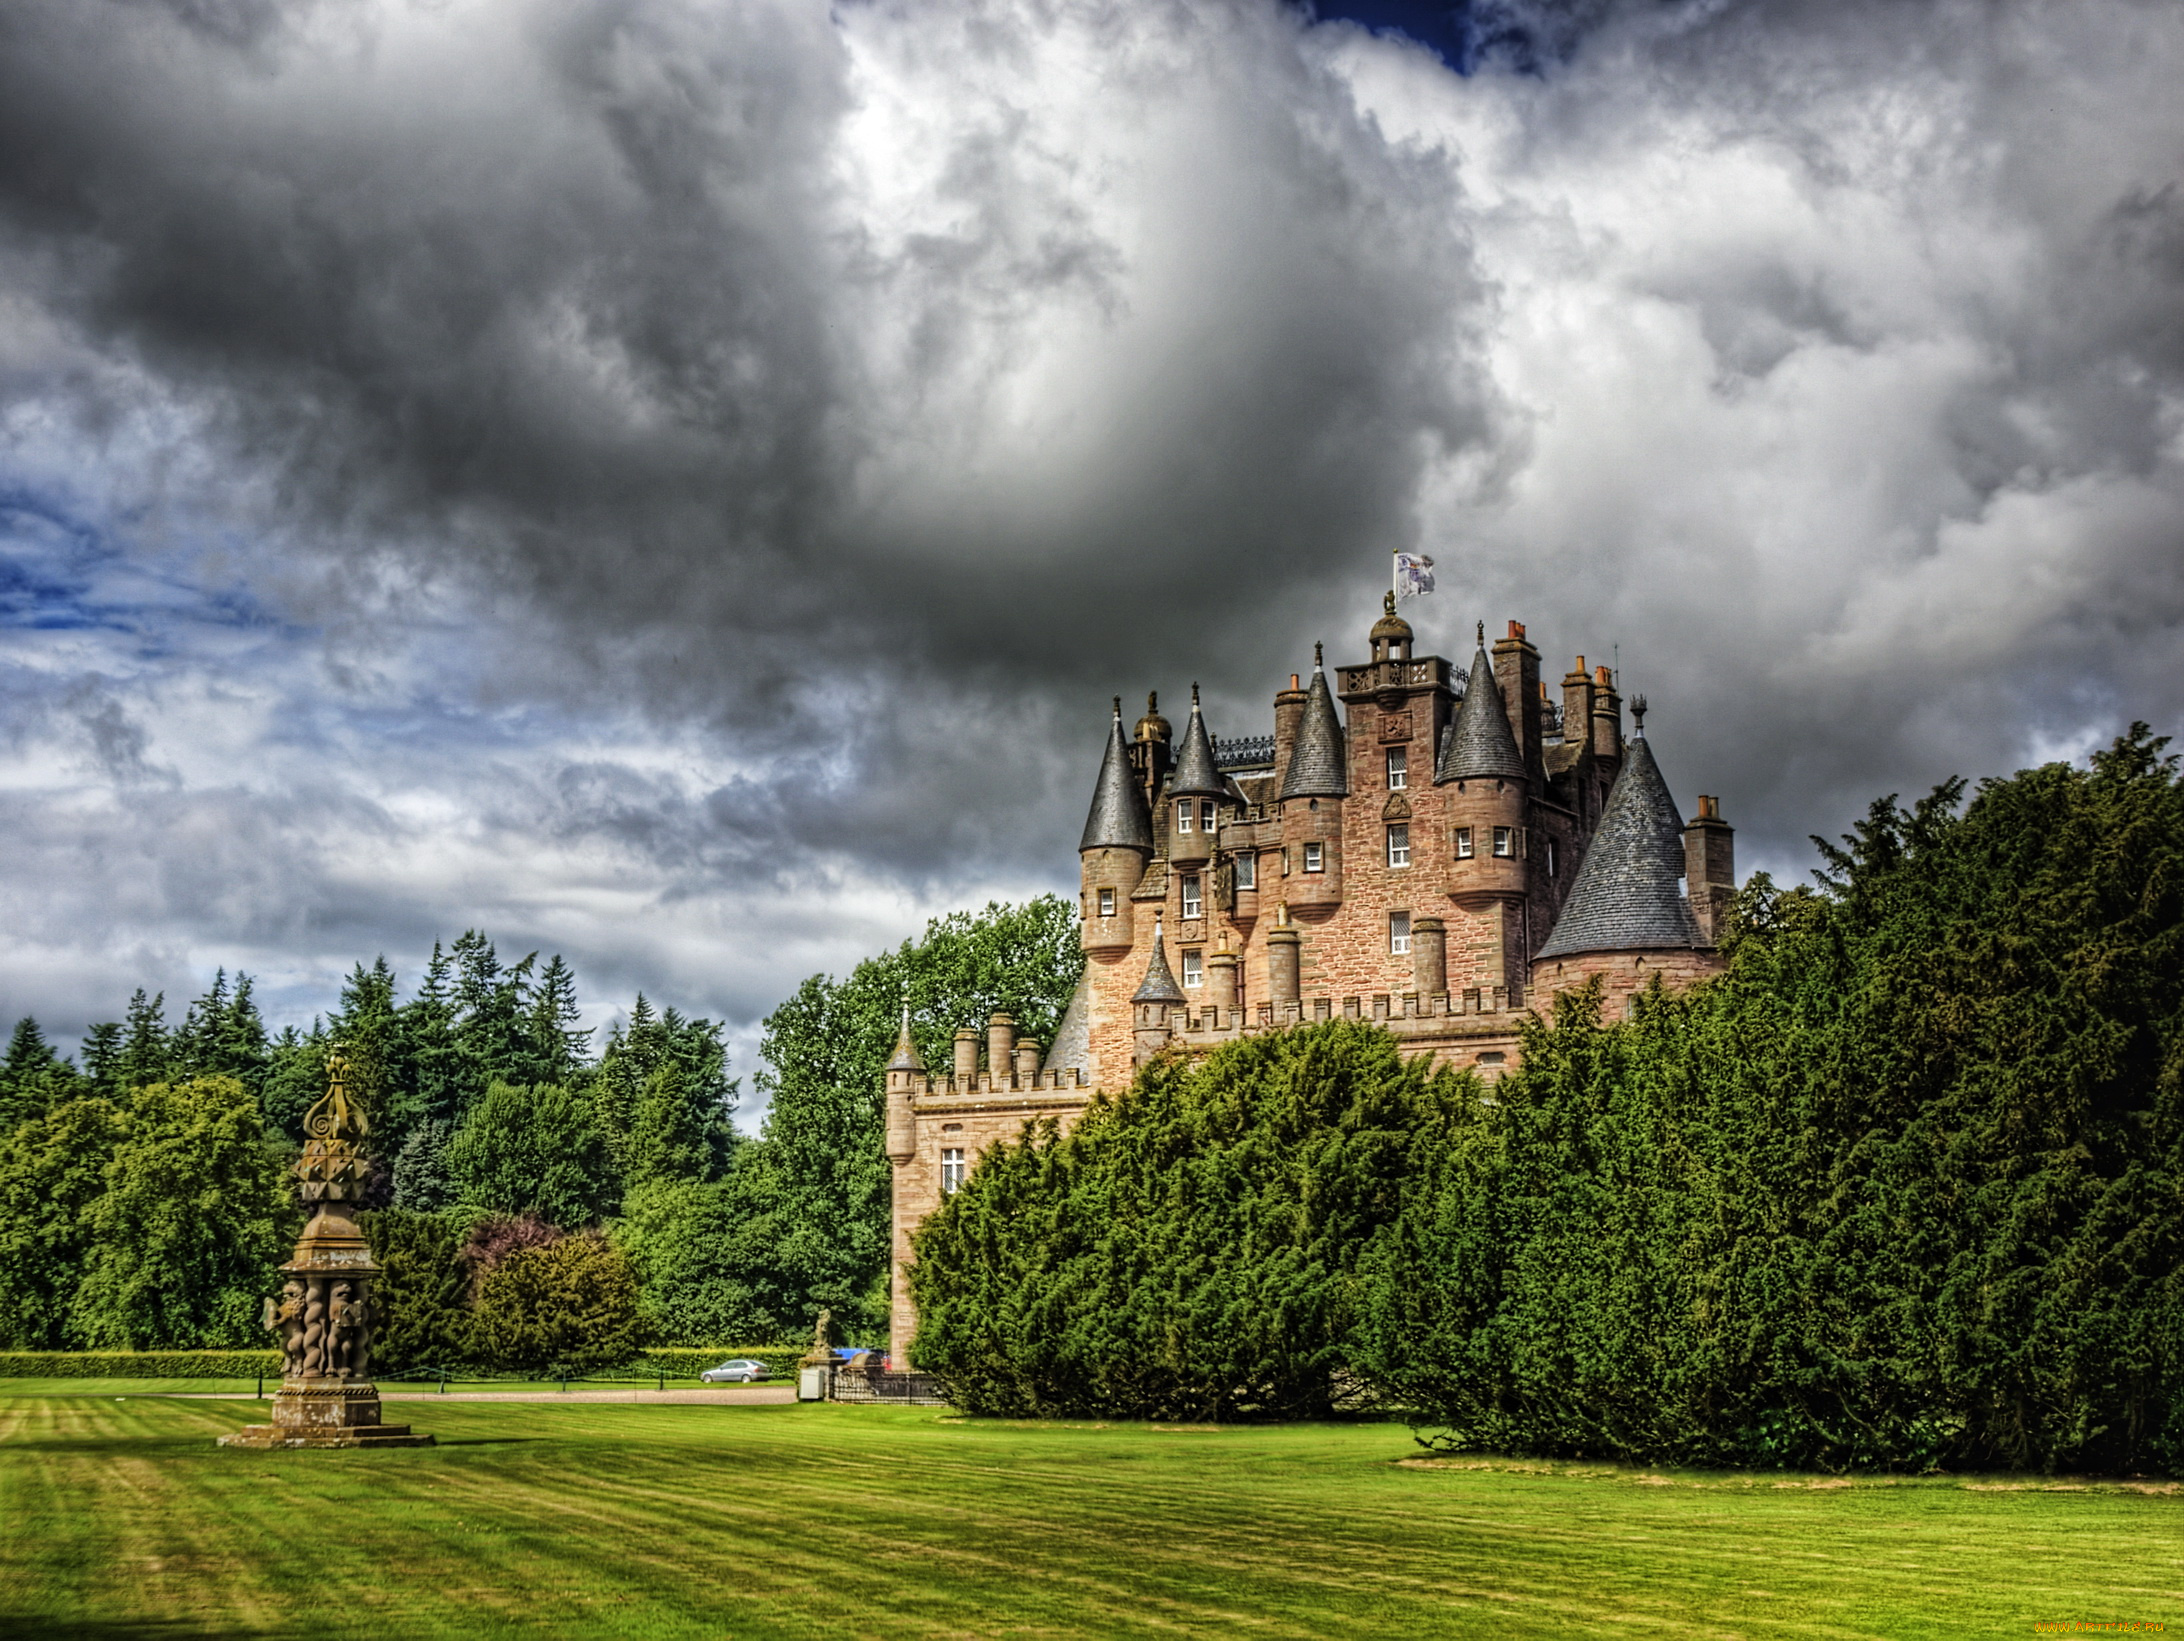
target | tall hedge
x=1190, y=1250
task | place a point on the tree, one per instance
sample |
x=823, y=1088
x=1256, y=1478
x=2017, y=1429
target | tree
x=699, y=1093
x=222, y=1036
x=701, y=1252
x=422, y=1322
x=1192, y=1249
x=32, y=1077
x=1904, y=1187
x=422, y=1183
x=571, y=1305
x=826, y=1051
x=146, y=1054
x=195, y=1218
x=52, y=1171
x=532, y=1150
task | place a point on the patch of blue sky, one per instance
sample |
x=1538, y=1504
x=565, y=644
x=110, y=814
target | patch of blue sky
x=60, y=572
x=1519, y=36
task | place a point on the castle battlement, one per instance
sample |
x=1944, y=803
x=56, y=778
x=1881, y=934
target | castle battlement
x=1434, y=848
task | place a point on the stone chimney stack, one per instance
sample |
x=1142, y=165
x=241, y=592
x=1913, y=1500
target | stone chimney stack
x=1710, y=868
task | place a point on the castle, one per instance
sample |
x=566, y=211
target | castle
x=1448, y=848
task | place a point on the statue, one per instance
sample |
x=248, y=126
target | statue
x=284, y=1316
x=324, y=1313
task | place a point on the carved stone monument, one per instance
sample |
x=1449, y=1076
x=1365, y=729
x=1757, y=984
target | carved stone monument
x=323, y=1316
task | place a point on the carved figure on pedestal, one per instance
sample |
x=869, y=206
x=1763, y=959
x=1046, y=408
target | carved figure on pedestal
x=347, y=1325
x=284, y=1316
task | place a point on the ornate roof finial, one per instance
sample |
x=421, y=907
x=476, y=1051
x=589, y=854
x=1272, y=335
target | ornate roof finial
x=1317, y=664
x=1387, y=601
x=1118, y=709
x=1194, y=695
x=1638, y=717
x=1482, y=635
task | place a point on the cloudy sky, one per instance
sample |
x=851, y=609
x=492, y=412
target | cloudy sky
x=676, y=482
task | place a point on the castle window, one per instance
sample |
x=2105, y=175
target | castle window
x=1206, y=816
x=1185, y=811
x=1463, y=843
x=1194, y=969
x=1107, y=903
x=1314, y=855
x=1194, y=903
x=1399, y=846
x=1247, y=871
x=1554, y=863
x=1505, y=840
x=951, y=1171
x=1398, y=932
x=1398, y=768
x=1285, y=863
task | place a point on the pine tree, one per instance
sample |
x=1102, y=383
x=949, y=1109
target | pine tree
x=32, y=1077
x=146, y=1053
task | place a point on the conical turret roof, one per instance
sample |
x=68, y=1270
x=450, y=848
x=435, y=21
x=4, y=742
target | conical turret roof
x=1159, y=986
x=1479, y=743
x=1119, y=818
x=1196, y=775
x=906, y=1052
x=1319, y=763
x=1626, y=896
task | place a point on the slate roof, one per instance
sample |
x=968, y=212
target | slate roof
x=1159, y=986
x=1627, y=895
x=1197, y=775
x=1119, y=818
x=1479, y=743
x=906, y=1052
x=1319, y=765
x=1072, y=1050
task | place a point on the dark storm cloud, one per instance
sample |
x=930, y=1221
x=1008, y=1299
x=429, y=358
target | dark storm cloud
x=703, y=462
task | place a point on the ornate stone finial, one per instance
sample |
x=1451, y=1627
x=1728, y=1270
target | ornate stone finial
x=1317, y=664
x=1482, y=635
x=1152, y=703
x=1387, y=602
x=325, y=1314
x=1638, y=717
x=1118, y=709
x=1194, y=695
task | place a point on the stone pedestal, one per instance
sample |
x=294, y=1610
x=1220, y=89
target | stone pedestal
x=326, y=1415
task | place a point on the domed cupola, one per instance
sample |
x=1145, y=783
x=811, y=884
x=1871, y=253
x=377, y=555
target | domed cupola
x=1391, y=635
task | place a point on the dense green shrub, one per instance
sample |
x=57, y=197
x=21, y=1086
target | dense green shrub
x=1905, y=1186
x=534, y=1150
x=139, y=1364
x=1190, y=1250
x=572, y=1304
x=689, y=1362
x=419, y=1295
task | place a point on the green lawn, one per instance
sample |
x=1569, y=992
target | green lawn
x=122, y=1519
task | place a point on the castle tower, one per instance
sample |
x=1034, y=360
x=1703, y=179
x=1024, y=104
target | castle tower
x=1710, y=868
x=1485, y=784
x=1195, y=792
x=1117, y=842
x=1150, y=1004
x=1627, y=918
x=1312, y=790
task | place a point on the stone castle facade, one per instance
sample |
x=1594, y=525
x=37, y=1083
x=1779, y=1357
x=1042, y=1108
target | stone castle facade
x=1439, y=852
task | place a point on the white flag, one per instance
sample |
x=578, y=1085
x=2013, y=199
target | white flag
x=1413, y=575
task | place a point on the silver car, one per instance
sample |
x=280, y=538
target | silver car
x=737, y=1370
